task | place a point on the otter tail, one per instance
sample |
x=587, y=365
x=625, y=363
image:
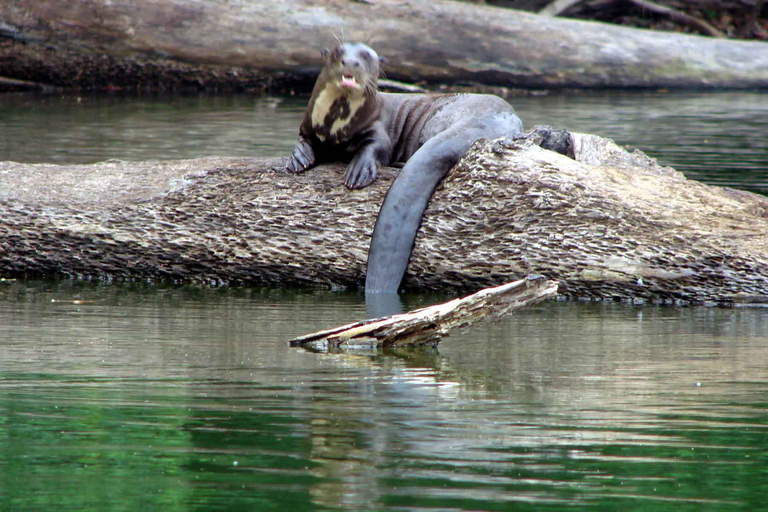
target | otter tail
x=400, y=214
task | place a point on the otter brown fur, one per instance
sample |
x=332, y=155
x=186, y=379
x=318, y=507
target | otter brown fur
x=349, y=120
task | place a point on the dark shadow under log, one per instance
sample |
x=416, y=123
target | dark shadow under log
x=608, y=223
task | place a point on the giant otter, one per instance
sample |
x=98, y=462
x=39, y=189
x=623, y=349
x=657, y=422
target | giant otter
x=349, y=120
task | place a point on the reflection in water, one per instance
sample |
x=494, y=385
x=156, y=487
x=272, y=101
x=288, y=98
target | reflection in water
x=716, y=137
x=178, y=398
x=87, y=129
x=183, y=398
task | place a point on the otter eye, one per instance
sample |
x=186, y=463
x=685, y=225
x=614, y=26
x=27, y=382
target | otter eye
x=367, y=57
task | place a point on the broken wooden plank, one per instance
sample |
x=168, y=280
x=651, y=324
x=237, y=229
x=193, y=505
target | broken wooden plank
x=427, y=326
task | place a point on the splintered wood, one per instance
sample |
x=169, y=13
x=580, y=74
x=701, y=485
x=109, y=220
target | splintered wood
x=427, y=326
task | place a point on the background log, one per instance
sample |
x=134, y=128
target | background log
x=170, y=44
x=609, y=224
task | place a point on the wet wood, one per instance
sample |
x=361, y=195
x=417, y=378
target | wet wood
x=428, y=326
x=608, y=223
x=173, y=44
x=11, y=84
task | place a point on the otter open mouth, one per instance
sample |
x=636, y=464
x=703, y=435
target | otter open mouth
x=348, y=81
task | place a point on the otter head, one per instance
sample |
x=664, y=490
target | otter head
x=353, y=68
x=344, y=101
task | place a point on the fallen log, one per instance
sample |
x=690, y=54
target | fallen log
x=608, y=223
x=428, y=326
x=174, y=44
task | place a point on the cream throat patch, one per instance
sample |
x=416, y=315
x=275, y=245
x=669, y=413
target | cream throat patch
x=333, y=110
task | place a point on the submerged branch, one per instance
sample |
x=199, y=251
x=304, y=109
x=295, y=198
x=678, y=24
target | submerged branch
x=427, y=326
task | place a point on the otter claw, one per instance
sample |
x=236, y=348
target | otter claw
x=360, y=176
x=302, y=158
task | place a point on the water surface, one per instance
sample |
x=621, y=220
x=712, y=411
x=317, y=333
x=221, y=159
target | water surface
x=720, y=138
x=123, y=397
x=129, y=397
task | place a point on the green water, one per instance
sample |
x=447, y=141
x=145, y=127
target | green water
x=720, y=138
x=128, y=397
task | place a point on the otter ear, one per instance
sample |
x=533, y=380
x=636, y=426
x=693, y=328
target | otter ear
x=382, y=60
x=325, y=53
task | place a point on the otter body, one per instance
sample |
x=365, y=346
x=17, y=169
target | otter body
x=349, y=120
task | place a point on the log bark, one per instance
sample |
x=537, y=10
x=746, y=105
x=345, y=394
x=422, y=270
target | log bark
x=174, y=44
x=428, y=326
x=608, y=223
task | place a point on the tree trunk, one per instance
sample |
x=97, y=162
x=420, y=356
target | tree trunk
x=608, y=224
x=251, y=45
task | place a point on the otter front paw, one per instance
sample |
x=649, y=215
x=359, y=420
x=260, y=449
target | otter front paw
x=302, y=158
x=361, y=171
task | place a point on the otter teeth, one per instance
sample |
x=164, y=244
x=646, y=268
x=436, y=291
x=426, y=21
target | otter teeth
x=348, y=81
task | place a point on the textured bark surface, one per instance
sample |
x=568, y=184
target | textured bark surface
x=609, y=224
x=170, y=44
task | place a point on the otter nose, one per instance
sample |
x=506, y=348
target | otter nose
x=350, y=63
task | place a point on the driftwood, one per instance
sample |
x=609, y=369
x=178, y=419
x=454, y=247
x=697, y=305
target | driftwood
x=174, y=44
x=559, y=7
x=610, y=224
x=428, y=326
x=680, y=17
